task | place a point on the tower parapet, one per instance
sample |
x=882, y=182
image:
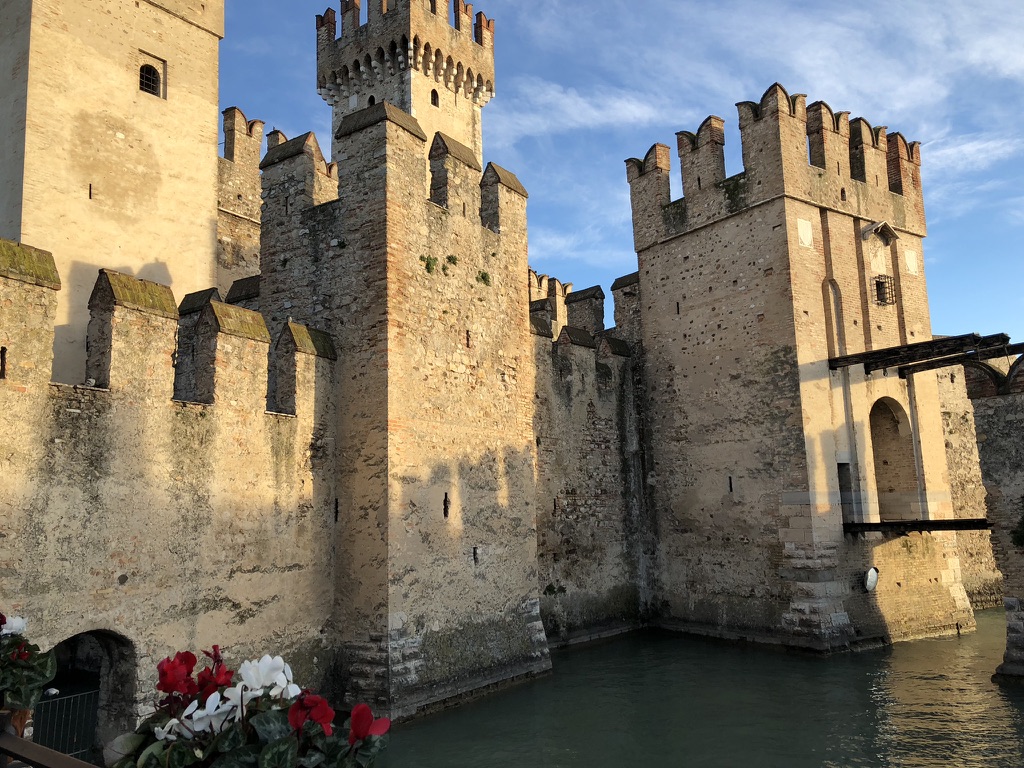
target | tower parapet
x=410, y=54
x=788, y=148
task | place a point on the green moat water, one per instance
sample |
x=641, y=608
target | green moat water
x=654, y=699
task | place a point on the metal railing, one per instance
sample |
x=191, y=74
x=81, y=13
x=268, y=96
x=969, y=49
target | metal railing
x=68, y=723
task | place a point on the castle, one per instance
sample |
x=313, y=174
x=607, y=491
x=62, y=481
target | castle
x=407, y=462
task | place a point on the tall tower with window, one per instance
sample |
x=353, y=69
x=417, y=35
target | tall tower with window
x=430, y=58
x=108, y=145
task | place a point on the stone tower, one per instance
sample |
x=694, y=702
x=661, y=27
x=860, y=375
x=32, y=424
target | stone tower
x=408, y=53
x=108, y=142
x=413, y=256
x=750, y=286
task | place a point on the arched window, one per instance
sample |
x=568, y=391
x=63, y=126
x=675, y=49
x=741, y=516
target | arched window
x=371, y=101
x=435, y=100
x=149, y=80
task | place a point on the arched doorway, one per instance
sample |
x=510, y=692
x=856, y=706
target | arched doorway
x=892, y=445
x=95, y=695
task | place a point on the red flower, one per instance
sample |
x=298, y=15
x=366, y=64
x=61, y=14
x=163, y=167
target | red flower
x=3, y=620
x=176, y=674
x=212, y=678
x=364, y=725
x=309, y=707
x=20, y=654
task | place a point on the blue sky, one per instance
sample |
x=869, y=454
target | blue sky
x=584, y=84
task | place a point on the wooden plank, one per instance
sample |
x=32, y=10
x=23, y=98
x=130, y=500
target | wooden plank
x=966, y=357
x=35, y=755
x=919, y=526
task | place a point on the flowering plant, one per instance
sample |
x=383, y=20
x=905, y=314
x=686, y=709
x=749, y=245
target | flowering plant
x=256, y=717
x=24, y=669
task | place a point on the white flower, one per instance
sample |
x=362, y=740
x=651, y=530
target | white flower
x=15, y=626
x=213, y=716
x=240, y=696
x=167, y=733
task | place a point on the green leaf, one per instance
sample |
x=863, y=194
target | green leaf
x=272, y=725
x=312, y=759
x=152, y=752
x=231, y=739
x=122, y=748
x=283, y=753
x=244, y=757
x=180, y=755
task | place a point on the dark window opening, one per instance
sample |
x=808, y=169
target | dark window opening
x=698, y=182
x=90, y=191
x=469, y=339
x=476, y=556
x=842, y=195
x=371, y=101
x=447, y=506
x=149, y=79
x=730, y=484
x=885, y=290
x=3, y=362
x=337, y=510
x=435, y=100
x=952, y=378
x=677, y=307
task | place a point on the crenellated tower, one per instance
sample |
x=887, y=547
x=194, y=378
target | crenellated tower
x=430, y=60
x=767, y=448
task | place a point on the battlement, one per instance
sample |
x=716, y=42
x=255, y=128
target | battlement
x=243, y=138
x=788, y=148
x=143, y=347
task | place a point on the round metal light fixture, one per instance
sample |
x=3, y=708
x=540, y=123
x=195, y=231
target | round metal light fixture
x=871, y=579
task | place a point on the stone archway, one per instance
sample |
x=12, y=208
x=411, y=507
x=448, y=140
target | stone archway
x=96, y=692
x=892, y=445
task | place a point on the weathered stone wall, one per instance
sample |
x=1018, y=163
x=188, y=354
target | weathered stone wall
x=587, y=532
x=239, y=199
x=134, y=166
x=996, y=389
x=981, y=576
x=164, y=524
x=747, y=286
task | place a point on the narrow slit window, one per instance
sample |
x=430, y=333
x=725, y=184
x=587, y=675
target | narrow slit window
x=476, y=556
x=730, y=484
x=677, y=308
x=469, y=340
x=149, y=80
x=3, y=362
x=447, y=506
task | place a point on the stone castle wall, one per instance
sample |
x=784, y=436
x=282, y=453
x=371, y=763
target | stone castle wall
x=133, y=167
x=161, y=523
x=239, y=200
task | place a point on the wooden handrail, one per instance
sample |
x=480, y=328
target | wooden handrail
x=35, y=755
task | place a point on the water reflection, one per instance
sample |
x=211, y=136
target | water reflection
x=662, y=700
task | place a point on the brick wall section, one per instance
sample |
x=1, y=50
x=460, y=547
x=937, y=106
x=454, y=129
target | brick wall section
x=981, y=576
x=239, y=199
x=173, y=525
x=747, y=286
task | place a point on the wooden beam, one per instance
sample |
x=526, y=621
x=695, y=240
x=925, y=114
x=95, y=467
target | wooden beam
x=903, y=527
x=966, y=357
x=913, y=353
